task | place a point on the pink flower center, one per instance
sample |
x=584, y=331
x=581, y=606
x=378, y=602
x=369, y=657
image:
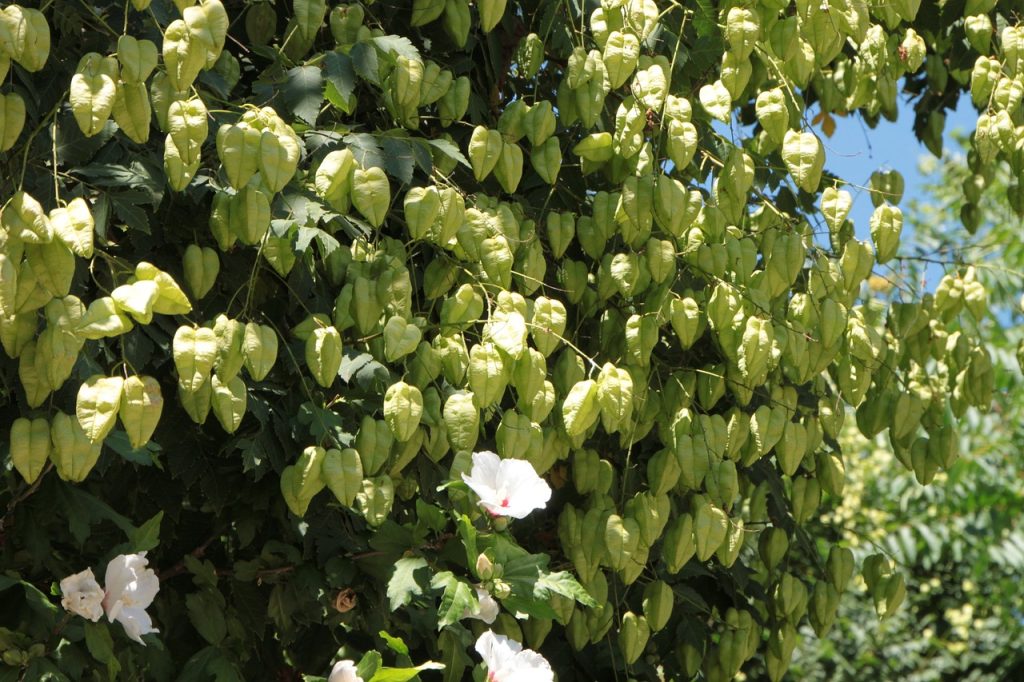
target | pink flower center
x=504, y=503
x=491, y=677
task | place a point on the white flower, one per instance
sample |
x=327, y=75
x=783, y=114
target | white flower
x=507, y=661
x=507, y=487
x=131, y=588
x=344, y=671
x=82, y=595
x=487, y=607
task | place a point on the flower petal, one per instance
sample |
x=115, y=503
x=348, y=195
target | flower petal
x=525, y=490
x=526, y=666
x=487, y=607
x=131, y=588
x=483, y=477
x=136, y=622
x=496, y=650
x=82, y=595
x=344, y=671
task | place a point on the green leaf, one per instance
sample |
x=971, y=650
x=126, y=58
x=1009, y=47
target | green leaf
x=396, y=644
x=206, y=612
x=399, y=157
x=528, y=605
x=398, y=45
x=365, y=149
x=101, y=647
x=142, y=177
x=83, y=509
x=365, y=62
x=43, y=670
x=565, y=584
x=147, y=536
x=453, y=643
x=303, y=92
x=448, y=148
x=430, y=517
x=332, y=95
x=307, y=234
x=280, y=606
x=144, y=456
x=127, y=207
x=72, y=146
x=323, y=424
x=467, y=531
x=404, y=674
x=524, y=568
x=368, y=664
x=339, y=72
x=458, y=598
x=203, y=571
x=199, y=667
x=704, y=18
x=403, y=586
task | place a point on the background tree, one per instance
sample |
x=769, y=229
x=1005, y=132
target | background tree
x=375, y=241
x=958, y=541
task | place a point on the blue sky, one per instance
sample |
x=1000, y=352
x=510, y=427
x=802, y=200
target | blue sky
x=855, y=151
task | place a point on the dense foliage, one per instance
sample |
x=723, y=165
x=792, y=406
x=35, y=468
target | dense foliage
x=373, y=240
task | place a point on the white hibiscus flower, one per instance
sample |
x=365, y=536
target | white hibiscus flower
x=507, y=487
x=82, y=595
x=344, y=671
x=131, y=588
x=507, y=661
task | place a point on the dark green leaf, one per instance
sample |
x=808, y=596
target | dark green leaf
x=448, y=148
x=399, y=158
x=365, y=149
x=101, y=646
x=453, y=643
x=303, y=92
x=339, y=73
x=364, y=60
x=206, y=612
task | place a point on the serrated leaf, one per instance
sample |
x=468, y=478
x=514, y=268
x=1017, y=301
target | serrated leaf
x=704, y=18
x=339, y=72
x=458, y=598
x=403, y=586
x=562, y=583
x=449, y=149
x=398, y=45
x=365, y=149
x=365, y=62
x=398, y=158
x=303, y=92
